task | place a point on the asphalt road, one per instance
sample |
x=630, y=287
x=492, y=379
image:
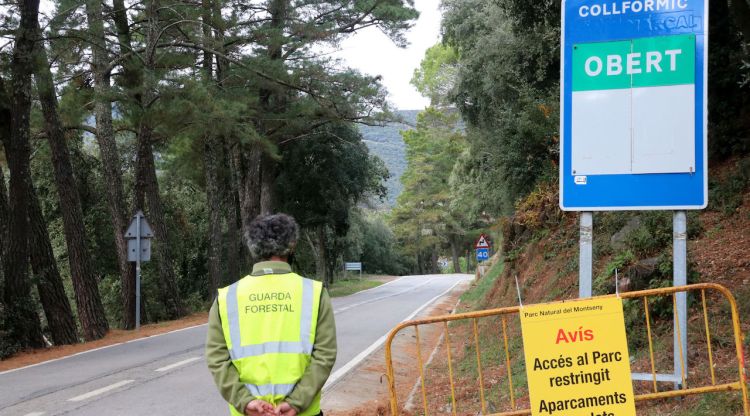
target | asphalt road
x=166, y=374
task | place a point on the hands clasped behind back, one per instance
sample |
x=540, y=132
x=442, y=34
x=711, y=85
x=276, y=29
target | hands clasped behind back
x=263, y=408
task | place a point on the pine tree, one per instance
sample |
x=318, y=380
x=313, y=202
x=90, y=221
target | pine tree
x=88, y=301
x=23, y=321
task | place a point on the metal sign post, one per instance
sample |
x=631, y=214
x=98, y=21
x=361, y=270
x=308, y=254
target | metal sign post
x=679, y=270
x=585, y=254
x=139, y=235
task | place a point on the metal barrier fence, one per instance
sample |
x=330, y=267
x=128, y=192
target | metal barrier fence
x=653, y=391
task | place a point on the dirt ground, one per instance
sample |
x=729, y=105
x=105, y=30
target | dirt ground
x=364, y=391
x=722, y=250
x=115, y=336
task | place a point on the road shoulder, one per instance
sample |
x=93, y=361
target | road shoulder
x=113, y=337
x=364, y=390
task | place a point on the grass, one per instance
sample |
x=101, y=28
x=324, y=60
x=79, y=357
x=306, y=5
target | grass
x=476, y=294
x=347, y=287
x=492, y=349
x=714, y=404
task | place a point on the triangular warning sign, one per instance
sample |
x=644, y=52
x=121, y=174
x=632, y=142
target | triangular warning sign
x=145, y=229
x=482, y=242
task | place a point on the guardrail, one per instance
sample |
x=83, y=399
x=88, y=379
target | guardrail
x=652, y=391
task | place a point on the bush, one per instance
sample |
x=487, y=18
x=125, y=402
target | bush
x=111, y=293
x=654, y=233
x=372, y=242
x=8, y=346
x=604, y=283
x=726, y=195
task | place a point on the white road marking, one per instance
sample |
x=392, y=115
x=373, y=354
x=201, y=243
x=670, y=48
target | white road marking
x=376, y=287
x=364, y=302
x=177, y=364
x=34, y=414
x=100, y=348
x=361, y=356
x=100, y=391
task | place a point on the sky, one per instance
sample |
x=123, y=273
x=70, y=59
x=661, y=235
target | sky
x=371, y=52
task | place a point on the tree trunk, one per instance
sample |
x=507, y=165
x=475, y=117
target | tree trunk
x=272, y=101
x=322, y=257
x=317, y=245
x=111, y=169
x=269, y=172
x=4, y=214
x=132, y=71
x=24, y=327
x=456, y=258
x=233, y=248
x=330, y=270
x=247, y=165
x=62, y=325
x=213, y=194
x=212, y=156
x=5, y=117
x=4, y=137
x=54, y=301
x=208, y=58
x=231, y=202
x=741, y=15
x=219, y=33
x=228, y=184
x=110, y=157
x=147, y=185
x=88, y=302
x=52, y=295
x=131, y=80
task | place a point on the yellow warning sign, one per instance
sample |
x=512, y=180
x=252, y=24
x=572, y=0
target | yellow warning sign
x=577, y=360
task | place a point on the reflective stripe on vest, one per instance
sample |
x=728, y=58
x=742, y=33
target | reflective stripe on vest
x=304, y=346
x=270, y=389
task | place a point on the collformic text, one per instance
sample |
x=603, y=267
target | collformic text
x=629, y=7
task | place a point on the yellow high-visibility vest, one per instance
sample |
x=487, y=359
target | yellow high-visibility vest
x=269, y=325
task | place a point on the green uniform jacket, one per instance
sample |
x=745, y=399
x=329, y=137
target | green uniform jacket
x=312, y=381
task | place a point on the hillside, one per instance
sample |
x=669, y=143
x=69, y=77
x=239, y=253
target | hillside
x=386, y=143
x=540, y=247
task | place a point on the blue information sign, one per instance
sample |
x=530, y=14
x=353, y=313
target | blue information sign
x=483, y=254
x=633, y=105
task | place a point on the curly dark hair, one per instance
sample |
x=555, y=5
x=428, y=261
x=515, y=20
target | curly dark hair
x=272, y=235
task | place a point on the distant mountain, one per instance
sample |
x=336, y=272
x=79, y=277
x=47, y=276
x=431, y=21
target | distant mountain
x=386, y=143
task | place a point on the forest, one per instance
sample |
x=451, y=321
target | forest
x=205, y=114
x=484, y=155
